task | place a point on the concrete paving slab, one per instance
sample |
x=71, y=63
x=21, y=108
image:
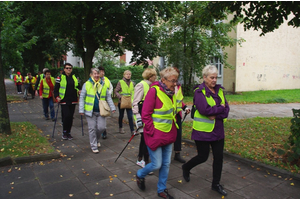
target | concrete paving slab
x=240, y=177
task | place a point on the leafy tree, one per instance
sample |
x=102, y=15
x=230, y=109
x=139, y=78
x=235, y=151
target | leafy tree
x=191, y=38
x=49, y=46
x=259, y=15
x=105, y=58
x=11, y=45
x=14, y=42
x=108, y=25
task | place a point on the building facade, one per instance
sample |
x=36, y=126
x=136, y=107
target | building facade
x=269, y=62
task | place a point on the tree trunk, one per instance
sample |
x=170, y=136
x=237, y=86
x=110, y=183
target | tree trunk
x=4, y=116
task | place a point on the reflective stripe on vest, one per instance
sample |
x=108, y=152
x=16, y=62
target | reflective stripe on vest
x=91, y=95
x=163, y=117
x=202, y=122
x=63, y=85
x=18, y=78
x=146, y=88
x=179, y=98
x=46, y=88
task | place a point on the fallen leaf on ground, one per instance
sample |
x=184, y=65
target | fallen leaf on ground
x=97, y=193
x=292, y=184
x=70, y=195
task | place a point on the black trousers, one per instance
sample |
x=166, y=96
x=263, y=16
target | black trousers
x=143, y=151
x=203, y=153
x=177, y=143
x=19, y=88
x=67, y=115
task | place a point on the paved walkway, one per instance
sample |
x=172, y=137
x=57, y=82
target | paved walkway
x=81, y=174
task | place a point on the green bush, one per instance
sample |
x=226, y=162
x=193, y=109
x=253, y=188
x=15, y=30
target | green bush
x=291, y=151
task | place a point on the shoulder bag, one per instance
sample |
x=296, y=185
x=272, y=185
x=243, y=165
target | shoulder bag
x=103, y=107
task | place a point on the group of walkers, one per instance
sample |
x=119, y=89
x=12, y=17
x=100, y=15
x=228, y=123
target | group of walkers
x=156, y=107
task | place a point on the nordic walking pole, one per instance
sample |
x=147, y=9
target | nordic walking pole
x=55, y=120
x=82, y=125
x=185, y=114
x=135, y=133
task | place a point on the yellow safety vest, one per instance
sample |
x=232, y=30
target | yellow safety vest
x=46, y=88
x=106, y=82
x=33, y=80
x=63, y=85
x=90, y=96
x=127, y=91
x=163, y=117
x=18, y=78
x=41, y=77
x=179, y=98
x=202, y=122
x=146, y=88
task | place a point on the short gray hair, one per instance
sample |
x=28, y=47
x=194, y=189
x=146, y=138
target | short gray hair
x=95, y=69
x=209, y=69
x=167, y=72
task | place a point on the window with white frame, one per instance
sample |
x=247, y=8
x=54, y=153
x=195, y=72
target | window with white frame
x=216, y=61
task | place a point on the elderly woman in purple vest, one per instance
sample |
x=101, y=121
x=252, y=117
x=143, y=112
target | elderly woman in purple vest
x=208, y=129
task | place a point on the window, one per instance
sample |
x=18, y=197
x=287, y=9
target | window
x=216, y=61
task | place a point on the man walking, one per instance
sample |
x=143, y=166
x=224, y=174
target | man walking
x=66, y=93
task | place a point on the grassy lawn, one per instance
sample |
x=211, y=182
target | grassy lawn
x=263, y=97
x=25, y=140
x=254, y=139
x=14, y=98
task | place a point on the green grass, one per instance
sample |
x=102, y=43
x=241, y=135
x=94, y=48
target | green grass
x=13, y=98
x=25, y=140
x=263, y=97
x=254, y=139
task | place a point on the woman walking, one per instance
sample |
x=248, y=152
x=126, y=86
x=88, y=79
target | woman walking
x=140, y=92
x=160, y=130
x=208, y=126
x=125, y=88
x=92, y=92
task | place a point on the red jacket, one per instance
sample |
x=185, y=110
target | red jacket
x=49, y=82
x=155, y=138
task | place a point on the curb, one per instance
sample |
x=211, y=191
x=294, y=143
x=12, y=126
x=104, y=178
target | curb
x=262, y=166
x=41, y=157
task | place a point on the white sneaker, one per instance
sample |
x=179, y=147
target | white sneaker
x=95, y=151
x=98, y=144
x=141, y=163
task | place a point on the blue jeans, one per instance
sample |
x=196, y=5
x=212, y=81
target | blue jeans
x=129, y=116
x=160, y=159
x=48, y=102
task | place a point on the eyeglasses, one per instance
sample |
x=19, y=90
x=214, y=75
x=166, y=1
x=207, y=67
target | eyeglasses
x=68, y=68
x=172, y=81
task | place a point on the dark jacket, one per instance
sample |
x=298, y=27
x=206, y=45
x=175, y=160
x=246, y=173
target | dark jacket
x=219, y=111
x=71, y=96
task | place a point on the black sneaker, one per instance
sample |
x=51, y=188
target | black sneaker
x=64, y=137
x=186, y=174
x=70, y=137
x=140, y=182
x=165, y=195
x=104, y=135
x=219, y=188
